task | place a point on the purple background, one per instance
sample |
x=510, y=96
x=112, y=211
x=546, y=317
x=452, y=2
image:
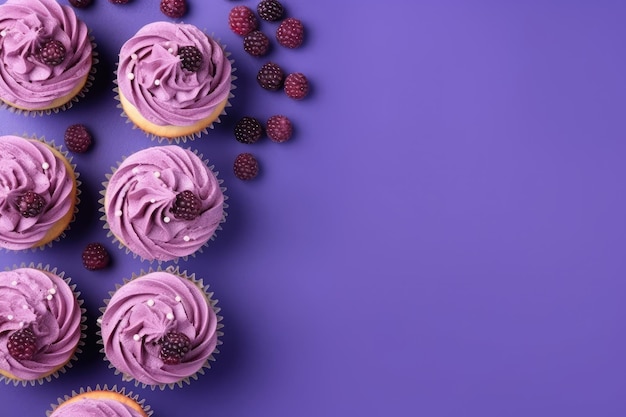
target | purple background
x=444, y=235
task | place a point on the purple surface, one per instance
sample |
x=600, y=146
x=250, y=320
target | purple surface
x=444, y=235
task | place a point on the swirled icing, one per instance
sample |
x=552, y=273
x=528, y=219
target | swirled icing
x=31, y=165
x=96, y=407
x=25, y=81
x=141, y=192
x=43, y=302
x=146, y=308
x=152, y=79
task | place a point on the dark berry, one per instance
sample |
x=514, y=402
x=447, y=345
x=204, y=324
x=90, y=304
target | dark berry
x=174, y=346
x=119, y=1
x=270, y=10
x=248, y=130
x=52, y=52
x=80, y=3
x=95, y=256
x=174, y=8
x=290, y=33
x=22, y=344
x=30, y=204
x=279, y=128
x=187, y=206
x=77, y=138
x=242, y=20
x=256, y=43
x=190, y=58
x=246, y=166
x=296, y=86
x=270, y=76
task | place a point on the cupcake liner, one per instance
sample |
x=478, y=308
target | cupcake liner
x=68, y=157
x=114, y=389
x=81, y=94
x=121, y=245
x=175, y=270
x=83, y=327
x=194, y=135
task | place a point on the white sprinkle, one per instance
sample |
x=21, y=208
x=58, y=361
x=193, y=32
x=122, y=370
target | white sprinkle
x=150, y=303
x=135, y=171
x=130, y=76
x=156, y=174
x=169, y=316
x=49, y=297
x=21, y=324
x=178, y=299
x=118, y=213
x=10, y=317
x=52, y=291
x=45, y=165
x=136, y=337
x=186, y=238
x=3, y=33
x=133, y=56
x=168, y=43
x=24, y=306
x=170, y=50
x=166, y=219
x=14, y=283
x=157, y=82
x=152, y=200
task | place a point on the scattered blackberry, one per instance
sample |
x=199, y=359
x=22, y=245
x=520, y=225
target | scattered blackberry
x=279, y=128
x=270, y=10
x=248, y=130
x=190, y=58
x=290, y=33
x=270, y=76
x=174, y=346
x=242, y=20
x=52, y=52
x=77, y=138
x=174, y=8
x=256, y=43
x=296, y=86
x=246, y=166
x=22, y=344
x=187, y=206
x=95, y=256
x=80, y=3
x=30, y=204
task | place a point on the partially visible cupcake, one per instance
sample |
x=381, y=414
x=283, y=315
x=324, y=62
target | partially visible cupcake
x=38, y=192
x=40, y=324
x=160, y=328
x=100, y=402
x=46, y=55
x=163, y=203
x=173, y=80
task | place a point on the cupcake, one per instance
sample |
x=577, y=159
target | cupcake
x=160, y=328
x=46, y=55
x=38, y=192
x=173, y=80
x=163, y=203
x=40, y=324
x=100, y=402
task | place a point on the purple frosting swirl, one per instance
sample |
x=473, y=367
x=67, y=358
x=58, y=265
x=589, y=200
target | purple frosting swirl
x=25, y=81
x=144, y=310
x=45, y=303
x=151, y=78
x=31, y=165
x=96, y=407
x=141, y=193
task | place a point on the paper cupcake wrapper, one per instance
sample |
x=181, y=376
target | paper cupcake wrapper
x=210, y=299
x=114, y=389
x=83, y=327
x=195, y=135
x=81, y=94
x=122, y=246
x=67, y=156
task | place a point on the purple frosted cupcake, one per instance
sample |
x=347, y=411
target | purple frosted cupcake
x=160, y=328
x=100, y=402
